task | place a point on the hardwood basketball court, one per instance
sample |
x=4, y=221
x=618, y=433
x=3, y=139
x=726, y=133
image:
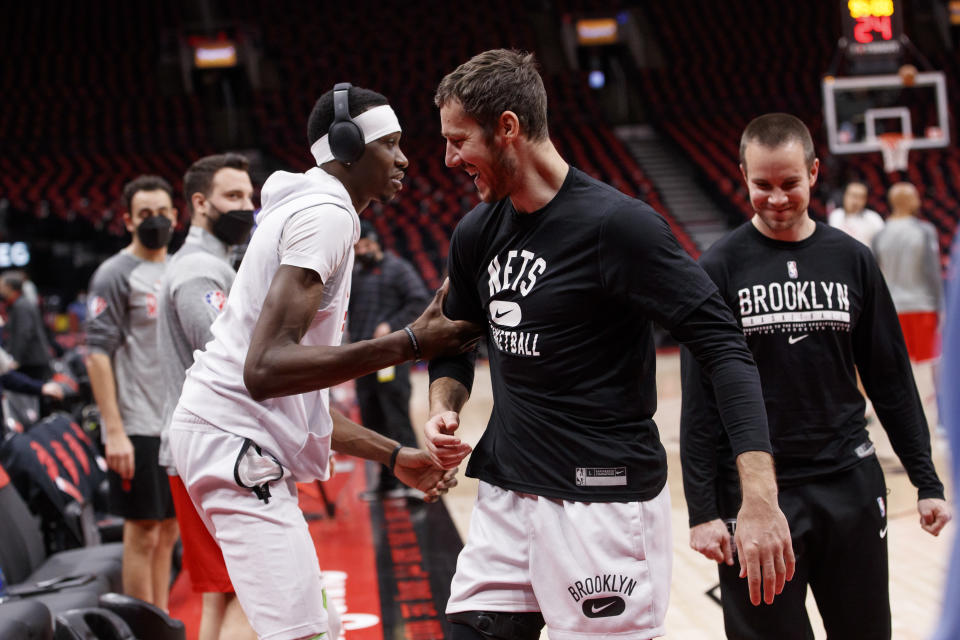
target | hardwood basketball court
x=918, y=561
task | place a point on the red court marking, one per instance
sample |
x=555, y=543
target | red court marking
x=344, y=547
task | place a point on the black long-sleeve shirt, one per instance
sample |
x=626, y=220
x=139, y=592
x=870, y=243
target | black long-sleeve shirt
x=569, y=294
x=814, y=312
x=391, y=292
x=21, y=383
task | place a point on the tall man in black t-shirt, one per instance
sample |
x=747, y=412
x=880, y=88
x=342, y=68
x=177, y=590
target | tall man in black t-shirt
x=572, y=523
x=815, y=309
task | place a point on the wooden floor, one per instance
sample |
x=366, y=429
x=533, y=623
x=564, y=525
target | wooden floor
x=918, y=561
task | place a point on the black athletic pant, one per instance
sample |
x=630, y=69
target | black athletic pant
x=839, y=531
x=385, y=408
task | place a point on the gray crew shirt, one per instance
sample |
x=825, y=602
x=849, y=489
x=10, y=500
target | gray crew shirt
x=122, y=323
x=193, y=293
x=908, y=253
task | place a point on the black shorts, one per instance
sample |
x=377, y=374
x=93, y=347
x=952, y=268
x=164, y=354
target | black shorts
x=146, y=496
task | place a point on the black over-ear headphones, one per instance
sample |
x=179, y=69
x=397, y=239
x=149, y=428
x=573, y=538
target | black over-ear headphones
x=346, y=139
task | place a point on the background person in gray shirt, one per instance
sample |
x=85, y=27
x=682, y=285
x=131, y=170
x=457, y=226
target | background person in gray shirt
x=195, y=286
x=121, y=332
x=908, y=252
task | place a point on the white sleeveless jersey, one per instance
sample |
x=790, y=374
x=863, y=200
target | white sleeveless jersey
x=307, y=221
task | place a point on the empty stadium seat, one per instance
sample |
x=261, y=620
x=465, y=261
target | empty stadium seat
x=27, y=569
x=146, y=621
x=25, y=620
x=91, y=623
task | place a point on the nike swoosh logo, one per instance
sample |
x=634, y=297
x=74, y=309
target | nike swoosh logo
x=793, y=340
x=603, y=607
x=883, y=532
x=505, y=313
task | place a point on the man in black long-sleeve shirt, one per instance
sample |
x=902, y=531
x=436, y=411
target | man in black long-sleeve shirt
x=571, y=527
x=814, y=307
x=387, y=294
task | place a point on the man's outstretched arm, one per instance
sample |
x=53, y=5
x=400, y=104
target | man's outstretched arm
x=278, y=365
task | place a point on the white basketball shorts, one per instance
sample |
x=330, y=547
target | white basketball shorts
x=593, y=569
x=267, y=547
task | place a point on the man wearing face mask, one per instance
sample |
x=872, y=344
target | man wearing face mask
x=198, y=278
x=387, y=294
x=121, y=330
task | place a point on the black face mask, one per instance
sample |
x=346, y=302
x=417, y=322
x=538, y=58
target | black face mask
x=155, y=232
x=368, y=259
x=232, y=227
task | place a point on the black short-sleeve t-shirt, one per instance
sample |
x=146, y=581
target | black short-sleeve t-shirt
x=568, y=294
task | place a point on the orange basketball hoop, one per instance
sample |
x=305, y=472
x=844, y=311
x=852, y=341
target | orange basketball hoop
x=896, y=150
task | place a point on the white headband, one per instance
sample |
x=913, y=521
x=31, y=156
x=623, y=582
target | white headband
x=374, y=123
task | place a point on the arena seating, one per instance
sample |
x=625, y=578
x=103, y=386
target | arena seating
x=419, y=223
x=703, y=101
x=62, y=581
x=84, y=124
x=85, y=118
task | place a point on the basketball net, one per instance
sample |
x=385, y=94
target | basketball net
x=896, y=151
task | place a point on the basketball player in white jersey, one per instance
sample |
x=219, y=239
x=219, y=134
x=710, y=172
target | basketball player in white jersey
x=254, y=415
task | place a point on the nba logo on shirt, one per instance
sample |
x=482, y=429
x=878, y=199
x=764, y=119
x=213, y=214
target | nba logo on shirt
x=601, y=476
x=792, y=269
x=151, y=305
x=215, y=299
x=96, y=306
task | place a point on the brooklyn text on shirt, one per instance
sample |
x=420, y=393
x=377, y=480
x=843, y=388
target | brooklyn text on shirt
x=794, y=306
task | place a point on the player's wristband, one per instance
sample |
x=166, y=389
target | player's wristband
x=417, y=354
x=393, y=457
